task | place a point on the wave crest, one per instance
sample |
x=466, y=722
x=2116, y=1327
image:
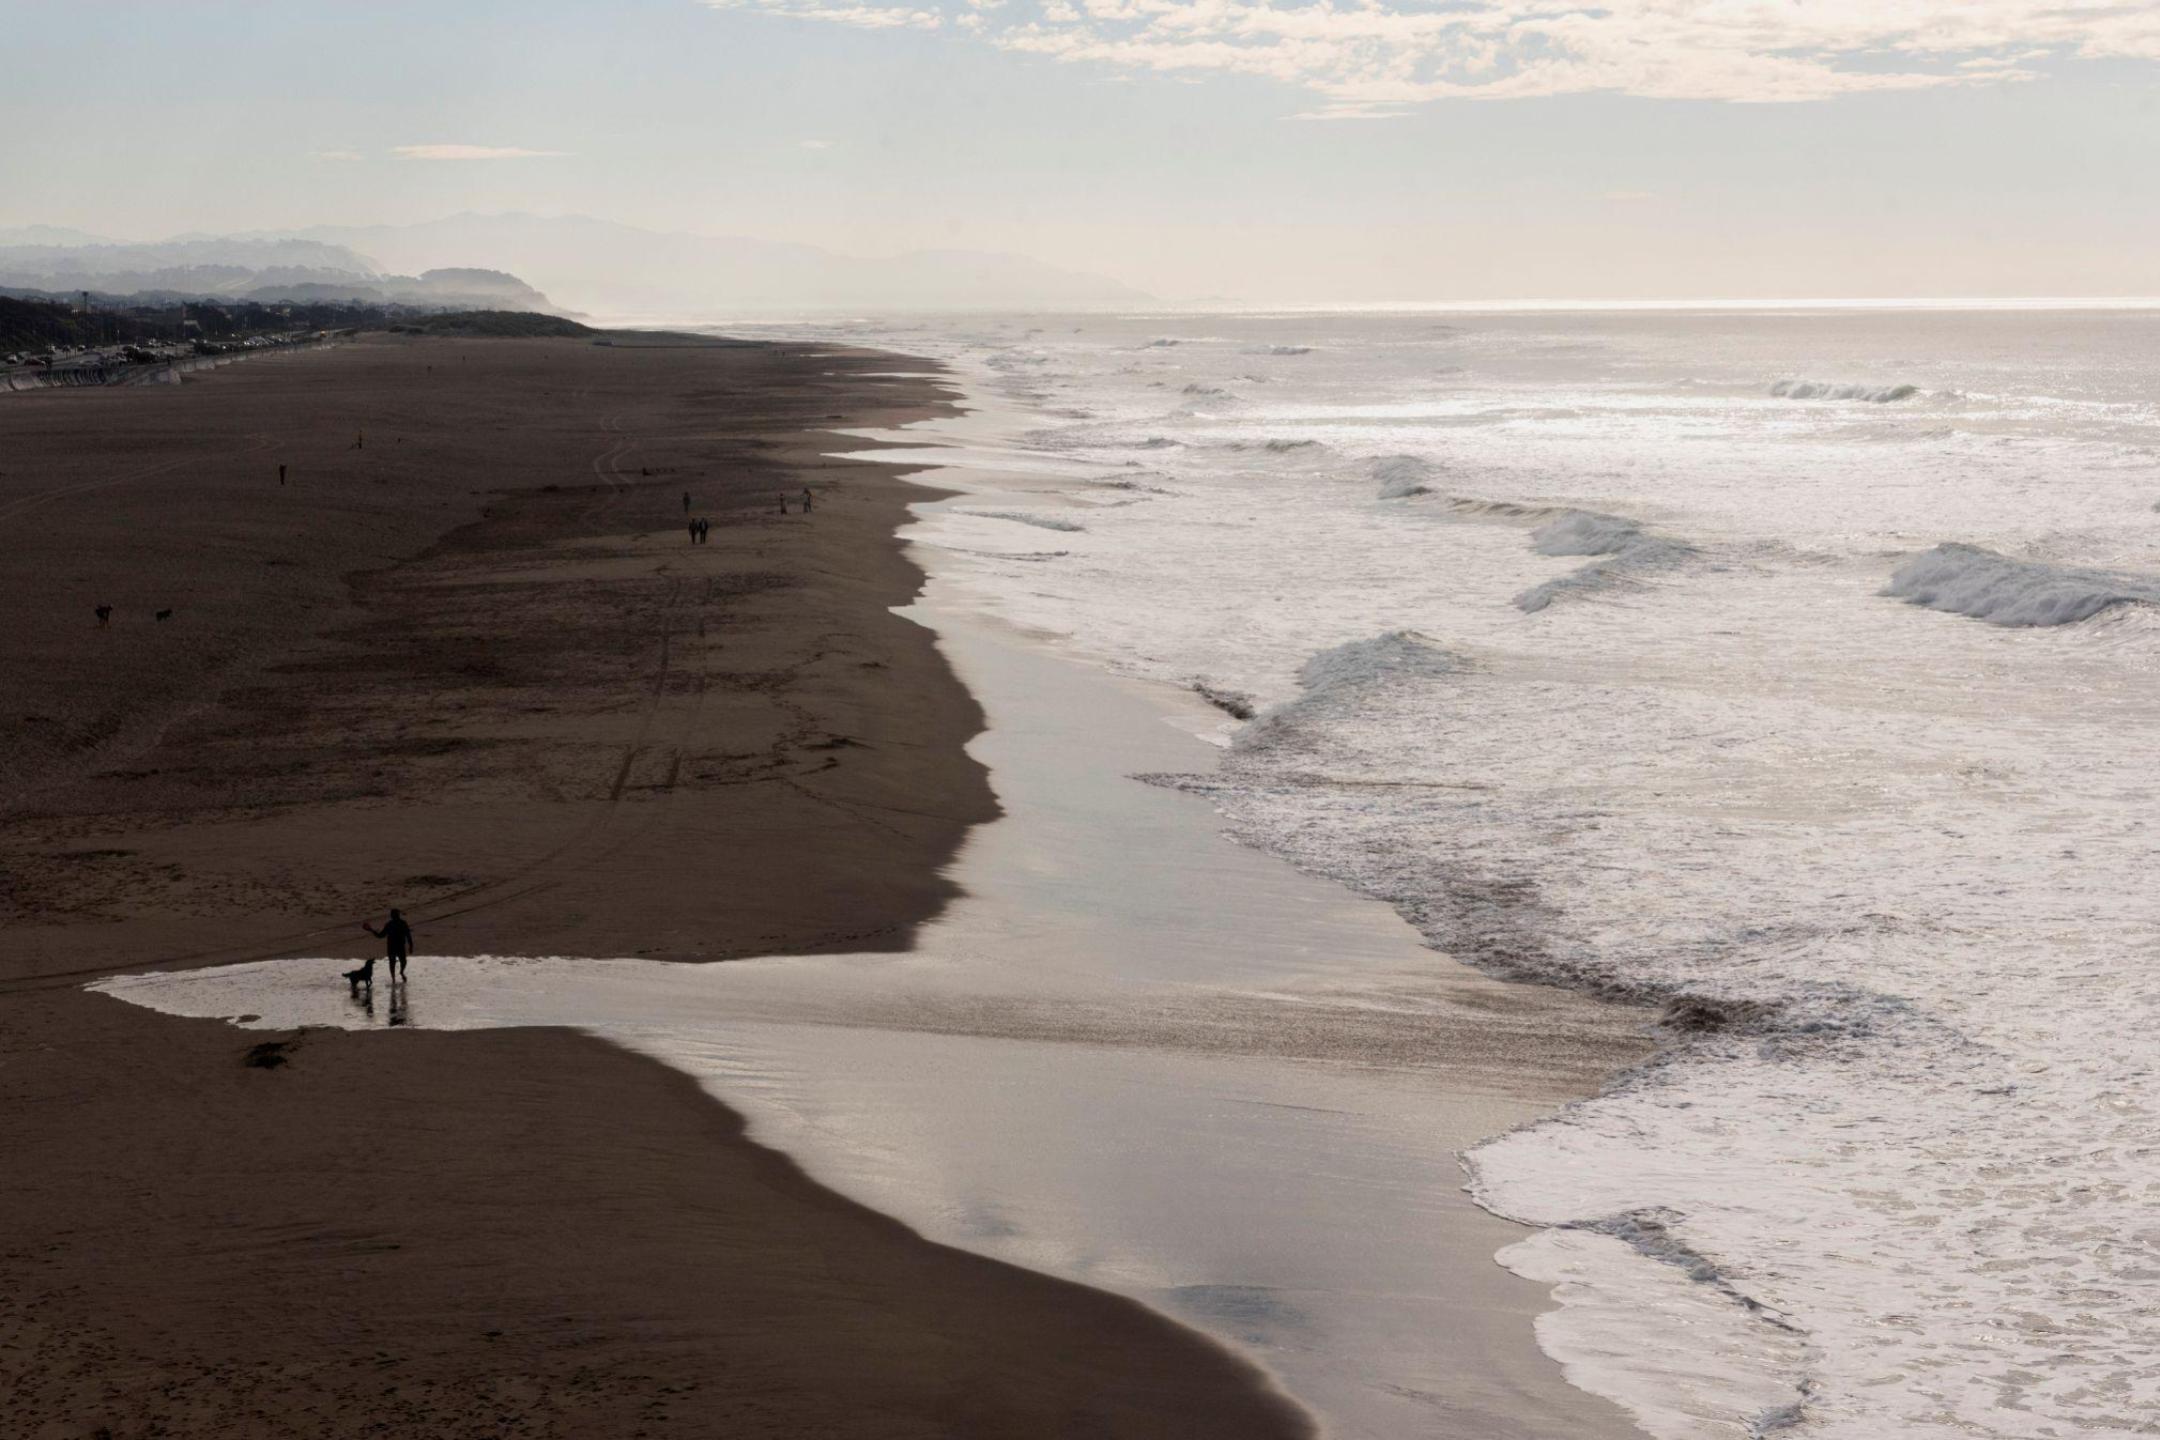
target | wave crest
x=1968, y=580
x=1623, y=551
x=1585, y=532
x=1402, y=476
x=1040, y=522
x=1829, y=390
x=1394, y=655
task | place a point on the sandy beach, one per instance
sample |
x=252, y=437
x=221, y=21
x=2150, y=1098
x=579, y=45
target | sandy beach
x=1392, y=721
x=467, y=661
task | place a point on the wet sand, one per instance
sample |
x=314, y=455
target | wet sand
x=466, y=661
x=1132, y=1054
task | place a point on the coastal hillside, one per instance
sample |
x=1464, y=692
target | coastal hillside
x=31, y=326
x=543, y=264
x=602, y=267
x=497, y=324
x=44, y=259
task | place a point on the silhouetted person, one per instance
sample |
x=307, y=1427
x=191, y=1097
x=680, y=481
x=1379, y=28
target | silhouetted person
x=104, y=616
x=685, y=502
x=783, y=504
x=359, y=440
x=397, y=938
x=704, y=530
x=693, y=532
x=806, y=500
x=281, y=475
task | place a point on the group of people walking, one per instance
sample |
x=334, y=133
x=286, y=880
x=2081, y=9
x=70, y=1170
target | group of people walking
x=701, y=528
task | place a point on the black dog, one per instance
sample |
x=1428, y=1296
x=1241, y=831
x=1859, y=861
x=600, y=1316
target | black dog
x=164, y=614
x=365, y=975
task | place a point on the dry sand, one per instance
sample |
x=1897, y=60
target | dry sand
x=467, y=661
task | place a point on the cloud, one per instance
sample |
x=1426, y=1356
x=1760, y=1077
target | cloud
x=1366, y=59
x=862, y=17
x=471, y=152
x=1353, y=110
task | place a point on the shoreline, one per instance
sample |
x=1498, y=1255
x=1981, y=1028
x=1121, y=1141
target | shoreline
x=817, y=1061
x=315, y=746
x=1335, y=1264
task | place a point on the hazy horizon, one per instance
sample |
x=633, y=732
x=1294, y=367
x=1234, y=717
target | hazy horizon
x=1502, y=151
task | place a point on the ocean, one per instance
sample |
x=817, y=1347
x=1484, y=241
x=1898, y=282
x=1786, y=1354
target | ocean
x=1792, y=672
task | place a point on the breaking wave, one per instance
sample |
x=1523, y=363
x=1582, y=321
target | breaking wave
x=1234, y=703
x=1395, y=655
x=1273, y=447
x=1402, y=476
x=1287, y=733
x=1040, y=522
x=1624, y=551
x=1034, y=557
x=1584, y=532
x=1503, y=509
x=1828, y=390
x=1967, y=580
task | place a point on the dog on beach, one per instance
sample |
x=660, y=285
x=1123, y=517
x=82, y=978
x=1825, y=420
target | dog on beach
x=365, y=975
x=104, y=616
x=164, y=614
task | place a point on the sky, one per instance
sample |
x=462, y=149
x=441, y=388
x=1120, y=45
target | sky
x=1309, y=151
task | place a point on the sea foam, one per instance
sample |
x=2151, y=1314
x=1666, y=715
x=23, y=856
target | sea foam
x=1869, y=862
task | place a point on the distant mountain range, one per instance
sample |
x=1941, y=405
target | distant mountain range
x=49, y=235
x=42, y=258
x=589, y=266
x=620, y=270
